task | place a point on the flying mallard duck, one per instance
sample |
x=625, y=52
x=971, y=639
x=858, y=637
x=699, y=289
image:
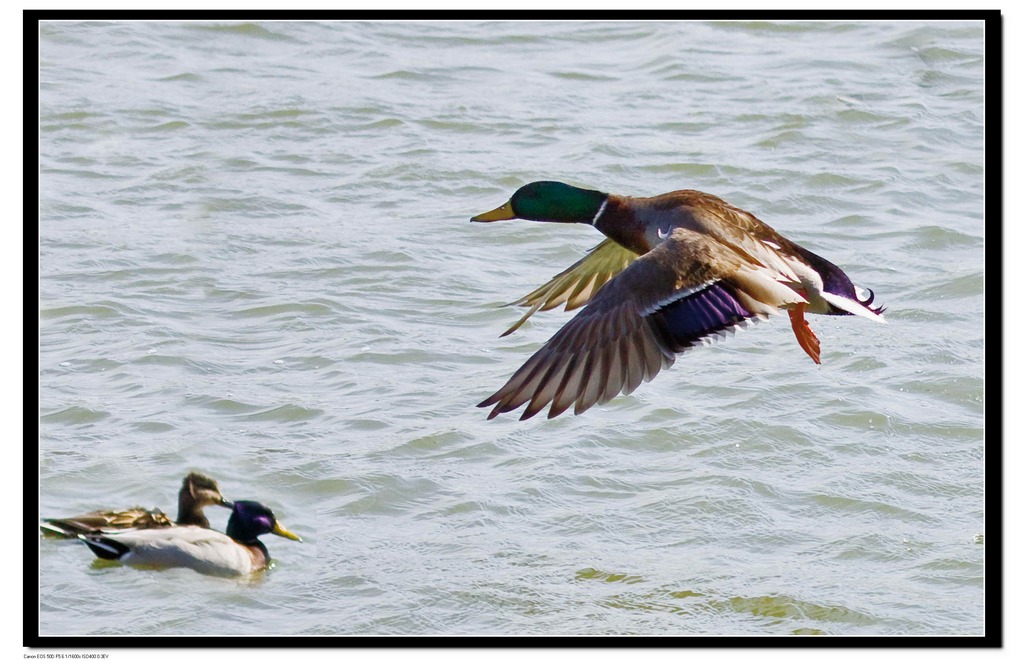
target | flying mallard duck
x=676, y=270
x=234, y=553
x=197, y=491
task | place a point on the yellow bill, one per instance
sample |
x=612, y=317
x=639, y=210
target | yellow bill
x=503, y=212
x=284, y=532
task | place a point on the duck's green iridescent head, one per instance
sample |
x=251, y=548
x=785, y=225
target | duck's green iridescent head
x=250, y=519
x=548, y=201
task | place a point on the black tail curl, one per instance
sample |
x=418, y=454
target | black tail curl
x=878, y=310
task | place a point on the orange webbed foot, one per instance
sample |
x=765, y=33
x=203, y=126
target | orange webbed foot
x=808, y=341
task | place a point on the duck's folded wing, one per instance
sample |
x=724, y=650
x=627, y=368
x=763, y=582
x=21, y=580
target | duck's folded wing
x=577, y=284
x=686, y=291
x=136, y=518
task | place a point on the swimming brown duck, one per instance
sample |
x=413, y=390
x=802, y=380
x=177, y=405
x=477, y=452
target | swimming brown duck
x=197, y=491
x=677, y=270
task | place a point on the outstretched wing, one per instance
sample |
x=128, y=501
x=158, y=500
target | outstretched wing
x=685, y=291
x=577, y=284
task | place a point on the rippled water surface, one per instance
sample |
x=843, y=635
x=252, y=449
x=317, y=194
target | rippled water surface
x=256, y=260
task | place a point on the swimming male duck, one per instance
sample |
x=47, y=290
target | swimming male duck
x=197, y=491
x=236, y=552
x=676, y=270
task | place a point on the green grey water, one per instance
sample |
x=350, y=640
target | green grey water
x=256, y=260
